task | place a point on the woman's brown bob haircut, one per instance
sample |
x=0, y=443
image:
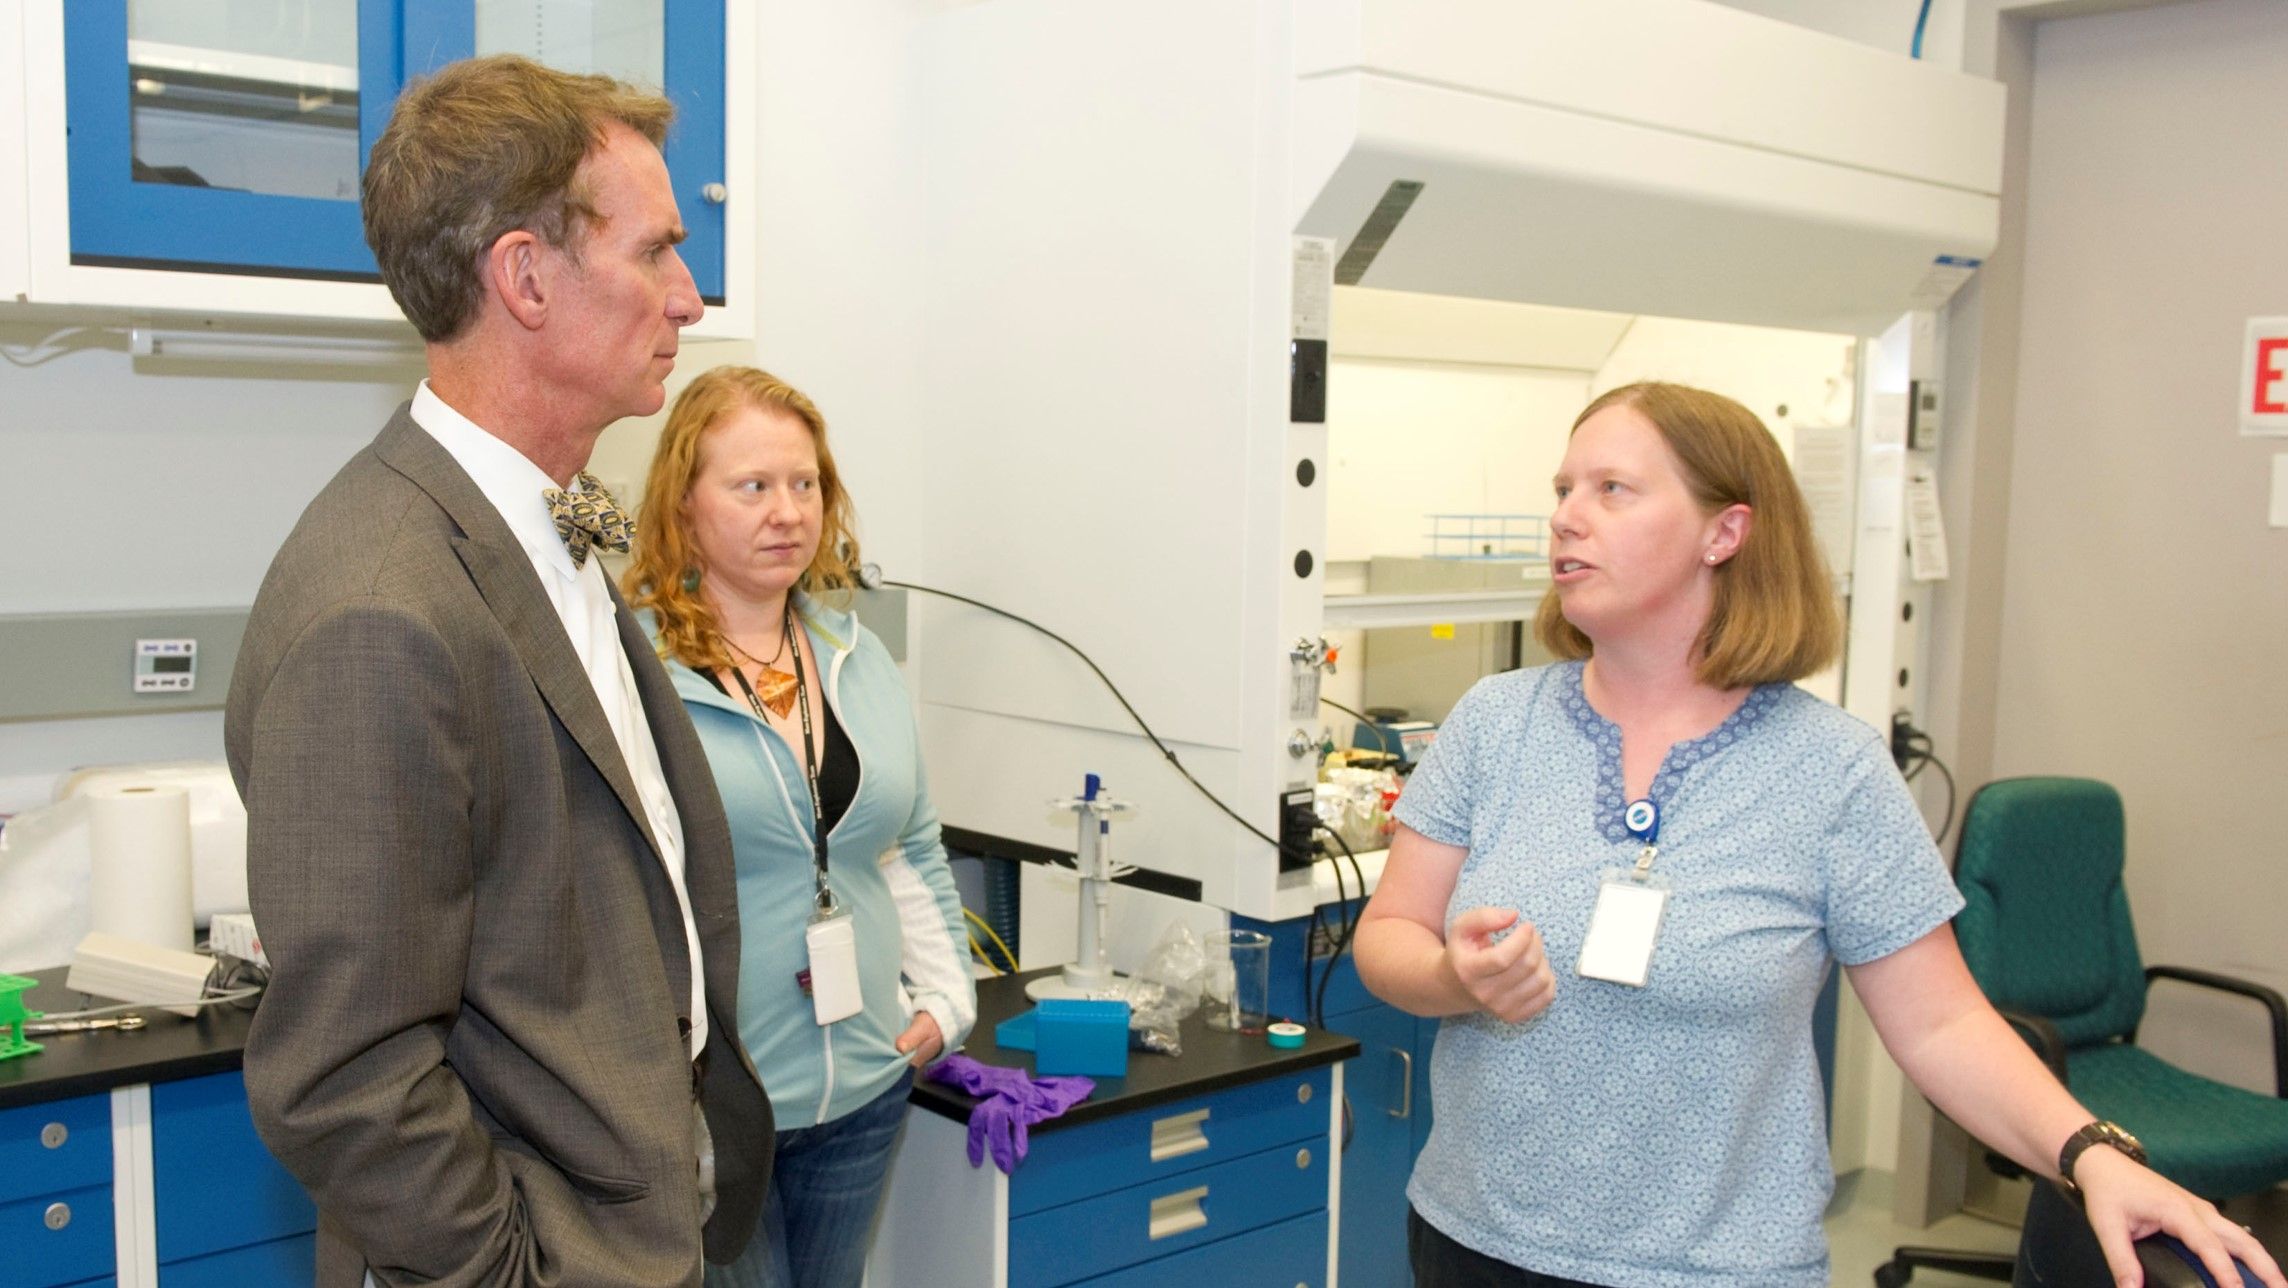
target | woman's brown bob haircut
x=1774, y=618
x=658, y=578
x=480, y=149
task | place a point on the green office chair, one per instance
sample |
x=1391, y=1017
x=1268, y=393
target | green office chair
x=2047, y=934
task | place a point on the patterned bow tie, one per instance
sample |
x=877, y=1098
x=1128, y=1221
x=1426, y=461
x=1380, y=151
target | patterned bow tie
x=588, y=517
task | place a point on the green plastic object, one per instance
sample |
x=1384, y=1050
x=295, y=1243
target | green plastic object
x=14, y=1015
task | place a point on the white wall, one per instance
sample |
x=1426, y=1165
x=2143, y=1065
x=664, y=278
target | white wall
x=1409, y=439
x=2145, y=599
x=1461, y=423
x=137, y=490
x=1787, y=378
x=171, y=485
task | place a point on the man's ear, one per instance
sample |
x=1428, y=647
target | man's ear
x=516, y=272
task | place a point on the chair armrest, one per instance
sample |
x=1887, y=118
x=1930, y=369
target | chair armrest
x=2041, y=1035
x=2273, y=1004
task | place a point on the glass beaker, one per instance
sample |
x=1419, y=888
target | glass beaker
x=1238, y=992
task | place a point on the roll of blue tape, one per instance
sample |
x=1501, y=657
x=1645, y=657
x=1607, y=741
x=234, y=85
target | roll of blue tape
x=1285, y=1035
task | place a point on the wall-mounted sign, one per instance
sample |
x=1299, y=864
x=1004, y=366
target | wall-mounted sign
x=2264, y=377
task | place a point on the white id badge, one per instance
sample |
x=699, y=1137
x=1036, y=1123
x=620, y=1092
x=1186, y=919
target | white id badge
x=1622, y=930
x=832, y=980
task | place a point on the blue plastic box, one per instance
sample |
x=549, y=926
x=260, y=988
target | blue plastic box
x=1071, y=1035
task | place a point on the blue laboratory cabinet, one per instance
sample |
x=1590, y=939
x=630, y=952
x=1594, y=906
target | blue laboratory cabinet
x=223, y=1212
x=1386, y=1092
x=56, y=1192
x=1389, y=1092
x=257, y=1227
x=1209, y=1168
x=214, y=138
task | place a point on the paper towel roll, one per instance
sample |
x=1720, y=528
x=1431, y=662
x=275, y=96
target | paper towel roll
x=140, y=843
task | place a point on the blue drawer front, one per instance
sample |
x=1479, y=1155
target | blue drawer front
x=1187, y=1135
x=214, y=1183
x=41, y=1256
x=30, y=1167
x=1099, y=1235
x=283, y=1263
x=1291, y=1252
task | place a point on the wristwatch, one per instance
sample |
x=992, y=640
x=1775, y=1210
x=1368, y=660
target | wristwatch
x=2100, y=1132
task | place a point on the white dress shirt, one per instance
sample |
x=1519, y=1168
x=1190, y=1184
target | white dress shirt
x=514, y=484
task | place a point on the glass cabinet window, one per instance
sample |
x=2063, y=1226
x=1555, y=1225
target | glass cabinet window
x=252, y=95
x=623, y=39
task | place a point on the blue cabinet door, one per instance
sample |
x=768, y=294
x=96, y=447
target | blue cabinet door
x=194, y=159
x=692, y=70
x=1384, y=1104
x=282, y=1263
x=182, y=159
x=57, y=1238
x=214, y=1186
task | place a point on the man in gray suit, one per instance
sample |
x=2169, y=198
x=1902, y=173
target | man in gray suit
x=500, y=1044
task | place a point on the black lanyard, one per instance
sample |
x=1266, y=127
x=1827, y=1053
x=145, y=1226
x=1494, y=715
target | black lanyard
x=825, y=896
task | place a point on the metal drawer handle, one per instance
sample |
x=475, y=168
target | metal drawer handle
x=1406, y=1085
x=58, y=1216
x=1183, y=1211
x=1180, y=1135
x=54, y=1135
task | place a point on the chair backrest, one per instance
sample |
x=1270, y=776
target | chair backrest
x=2046, y=924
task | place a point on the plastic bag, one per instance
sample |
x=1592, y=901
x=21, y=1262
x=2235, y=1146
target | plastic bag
x=1356, y=804
x=1165, y=990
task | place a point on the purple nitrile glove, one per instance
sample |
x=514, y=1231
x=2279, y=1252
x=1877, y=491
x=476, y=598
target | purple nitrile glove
x=965, y=1074
x=1009, y=1102
x=994, y=1125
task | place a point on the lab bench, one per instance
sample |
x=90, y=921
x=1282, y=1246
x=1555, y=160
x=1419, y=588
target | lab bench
x=1221, y=1165
x=130, y=1159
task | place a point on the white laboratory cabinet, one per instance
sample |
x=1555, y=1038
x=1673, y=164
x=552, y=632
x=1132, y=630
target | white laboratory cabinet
x=15, y=276
x=205, y=160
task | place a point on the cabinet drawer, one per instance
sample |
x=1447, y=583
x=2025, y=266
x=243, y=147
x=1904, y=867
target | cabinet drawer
x=1291, y=1252
x=82, y=1248
x=61, y=1145
x=1172, y=1214
x=1141, y=1147
x=281, y=1263
x=214, y=1183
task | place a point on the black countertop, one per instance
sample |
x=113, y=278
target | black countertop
x=1212, y=1061
x=77, y=1064
x=170, y=1047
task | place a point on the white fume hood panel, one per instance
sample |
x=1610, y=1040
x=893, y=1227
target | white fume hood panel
x=1667, y=156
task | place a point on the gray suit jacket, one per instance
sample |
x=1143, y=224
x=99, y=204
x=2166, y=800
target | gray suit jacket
x=470, y=1050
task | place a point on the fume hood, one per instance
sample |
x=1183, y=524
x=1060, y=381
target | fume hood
x=1662, y=156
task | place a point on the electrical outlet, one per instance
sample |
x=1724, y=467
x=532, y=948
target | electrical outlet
x=1297, y=821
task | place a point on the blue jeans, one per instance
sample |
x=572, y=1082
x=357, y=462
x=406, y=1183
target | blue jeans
x=826, y=1185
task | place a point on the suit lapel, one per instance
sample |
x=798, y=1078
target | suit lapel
x=708, y=867
x=505, y=579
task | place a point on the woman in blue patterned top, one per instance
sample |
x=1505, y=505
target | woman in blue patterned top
x=1654, y=1118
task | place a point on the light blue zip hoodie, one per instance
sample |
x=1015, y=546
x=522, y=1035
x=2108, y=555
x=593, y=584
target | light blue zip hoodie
x=885, y=860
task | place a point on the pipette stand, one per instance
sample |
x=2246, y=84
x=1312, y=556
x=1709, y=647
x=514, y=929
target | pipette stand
x=1090, y=974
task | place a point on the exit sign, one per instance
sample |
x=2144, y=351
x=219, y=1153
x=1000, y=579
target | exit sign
x=2264, y=377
